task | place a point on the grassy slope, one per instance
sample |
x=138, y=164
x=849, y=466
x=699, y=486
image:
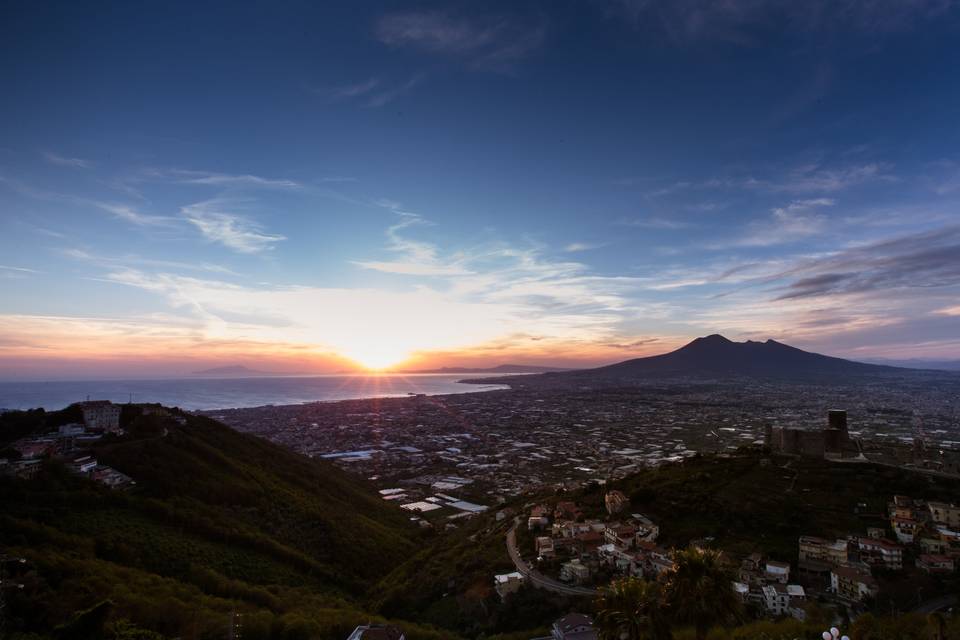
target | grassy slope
x=220, y=521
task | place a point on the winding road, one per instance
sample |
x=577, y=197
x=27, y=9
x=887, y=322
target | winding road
x=535, y=577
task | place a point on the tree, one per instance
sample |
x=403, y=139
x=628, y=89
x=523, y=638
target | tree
x=699, y=591
x=632, y=609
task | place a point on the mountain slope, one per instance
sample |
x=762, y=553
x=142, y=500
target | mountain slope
x=711, y=357
x=219, y=522
x=717, y=354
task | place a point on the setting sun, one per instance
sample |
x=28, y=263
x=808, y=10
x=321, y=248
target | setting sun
x=376, y=357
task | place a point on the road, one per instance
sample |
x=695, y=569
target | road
x=535, y=577
x=943, y=602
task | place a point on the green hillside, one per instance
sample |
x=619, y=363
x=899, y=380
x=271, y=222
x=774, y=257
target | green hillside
x=220, y=523
x=752, y=502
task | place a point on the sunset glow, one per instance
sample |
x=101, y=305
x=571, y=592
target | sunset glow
x=357, y=223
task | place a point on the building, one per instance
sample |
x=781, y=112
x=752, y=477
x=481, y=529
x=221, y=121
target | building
x=904, y=528
x=621, y=535
x=376, y=632
x=776, y=599
x=852, y=584
x=566, y=510
x=813, y=549
x=777, y=571
x=575, y=572
x=933, y=546
x=101, y=415
x=943, y=513
x=573, y=626
x=545, y=548
x=833, y=441
x=647, y=530
x=82, y=465
x=797, y=593
x=507, y=583
x=935, y=563
x=880, y=553
x=616, y=501
x=25, y=469
x=539, y=518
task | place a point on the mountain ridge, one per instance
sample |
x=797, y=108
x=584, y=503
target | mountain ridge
x=715, y=356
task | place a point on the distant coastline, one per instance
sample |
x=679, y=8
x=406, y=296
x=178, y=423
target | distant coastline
x=210, y=393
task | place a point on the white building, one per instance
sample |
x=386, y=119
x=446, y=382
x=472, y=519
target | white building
x=778, y=571
x=776, y=599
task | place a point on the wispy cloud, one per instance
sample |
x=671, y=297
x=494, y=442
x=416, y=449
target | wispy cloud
x=576, y=247
x=416, y=257
x=213, y=178
x=816, y=178
x=345, y=92
x=686, y=22
x=372, y=93
x=795, y=221
x=64, y=161
x=232, y=230
x=653, y=222
x=134, y=260
x=809, y=178
x=388, y=95
x=487, y=43
x=131, y=214
x=9, y=272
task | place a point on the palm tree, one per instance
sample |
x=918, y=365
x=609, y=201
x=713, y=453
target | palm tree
x=699, y=590
x=632, y=609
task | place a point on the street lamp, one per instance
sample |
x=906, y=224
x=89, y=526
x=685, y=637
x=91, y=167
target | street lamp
x=833, y=634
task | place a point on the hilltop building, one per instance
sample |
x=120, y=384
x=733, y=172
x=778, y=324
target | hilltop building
x=101, y=415
x=831, y=442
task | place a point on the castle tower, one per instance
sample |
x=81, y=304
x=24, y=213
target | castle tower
x=837, y=419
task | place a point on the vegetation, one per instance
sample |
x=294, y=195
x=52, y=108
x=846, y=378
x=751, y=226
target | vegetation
x=221, y=526
x=699, y=590
x=752, y=502
x=632, y=609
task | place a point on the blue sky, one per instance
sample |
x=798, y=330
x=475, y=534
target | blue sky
x=559, y=182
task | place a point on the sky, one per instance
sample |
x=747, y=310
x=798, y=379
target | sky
x=313, y=187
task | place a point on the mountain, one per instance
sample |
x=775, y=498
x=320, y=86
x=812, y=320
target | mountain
x=715, y=356
x=503, y=368
x=218, y=522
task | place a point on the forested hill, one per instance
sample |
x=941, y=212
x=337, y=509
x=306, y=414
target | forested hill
x=219, y=523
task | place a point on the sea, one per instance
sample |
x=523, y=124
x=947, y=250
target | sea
x=198, y=393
